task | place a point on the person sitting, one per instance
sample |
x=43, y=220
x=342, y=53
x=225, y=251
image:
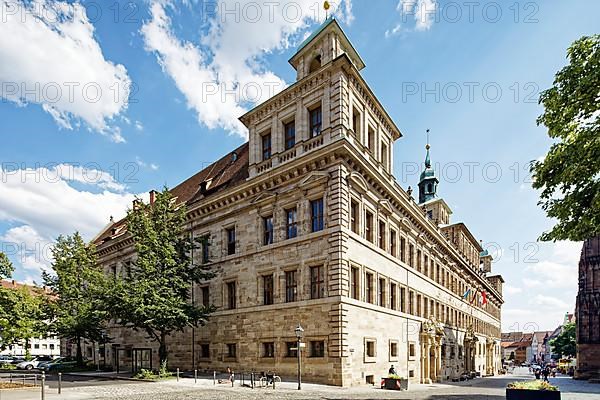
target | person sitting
x=392, y=371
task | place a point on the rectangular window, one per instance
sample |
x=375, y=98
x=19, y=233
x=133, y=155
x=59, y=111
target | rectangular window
x=290, y=134
x=268, y=289
x=403, y=250
x=393, y=239
x=317, y=348
x=384, y=156
x=268, y=230
x=316, y=209
x=370, y=348
x=291, y=224
x=403, y=300
x=356, y=122
x=231, y=301
x=371, y=140
x=381, y=235
x=393, y=349
x=381, y=293
x=419, y=260
x=231, y=350
x=205, y=296
x=354, y=285
x=354, y=216
x=393, y=296
x=411, y=302
x=290, y=286
x=268, y=350
x=231, y=241
x=315, y=121
x=369, y=287
x=317, y=282
x=419, y=305
x=411, y=255
x=411, y=350
x=369, y=226
x=204, y=240
x=426, y=266
x=266, y=146
x=290, y=348
x=204, y=351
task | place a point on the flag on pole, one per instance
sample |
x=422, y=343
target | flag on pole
x=474, y=296
x=466, y=293
x=484, y=298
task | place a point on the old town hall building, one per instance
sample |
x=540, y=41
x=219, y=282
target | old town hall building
x=306, y=224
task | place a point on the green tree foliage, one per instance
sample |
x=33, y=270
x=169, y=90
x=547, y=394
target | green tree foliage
x=565, y=343
x=6, y=267
x=23, y=315
x=569, y=175
x=153, y=294
x=80, y=287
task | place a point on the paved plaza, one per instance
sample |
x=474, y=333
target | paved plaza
x=479, y=389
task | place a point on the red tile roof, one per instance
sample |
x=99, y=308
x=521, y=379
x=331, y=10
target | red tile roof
x=229, y=171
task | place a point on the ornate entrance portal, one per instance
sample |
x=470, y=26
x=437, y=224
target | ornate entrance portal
x=431, y=350
x=470, y=343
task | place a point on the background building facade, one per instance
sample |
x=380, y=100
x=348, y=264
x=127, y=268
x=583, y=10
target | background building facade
x=306, y=224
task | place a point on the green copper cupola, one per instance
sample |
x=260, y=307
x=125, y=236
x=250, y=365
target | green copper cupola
x=429, y=181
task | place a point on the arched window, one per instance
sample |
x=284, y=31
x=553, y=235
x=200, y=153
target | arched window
x=429, y=188
x=315, y=64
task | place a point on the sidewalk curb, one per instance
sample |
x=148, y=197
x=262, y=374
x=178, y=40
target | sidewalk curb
x=108, y=377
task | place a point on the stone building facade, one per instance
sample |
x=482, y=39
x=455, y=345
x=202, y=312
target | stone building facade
x=306, y=224
x=588, y=311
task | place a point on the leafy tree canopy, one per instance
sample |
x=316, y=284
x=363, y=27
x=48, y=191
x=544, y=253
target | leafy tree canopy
x=565, y=343
x=153, y=292
x=6, y=267
x=569, y=175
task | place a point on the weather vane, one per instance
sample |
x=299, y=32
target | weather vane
x=326, y=7
x=427, y=131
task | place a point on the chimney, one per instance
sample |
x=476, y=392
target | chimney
x=152, y=196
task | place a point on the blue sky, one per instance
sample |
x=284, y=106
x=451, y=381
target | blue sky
x=470, y=75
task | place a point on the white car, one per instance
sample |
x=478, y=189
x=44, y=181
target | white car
x=31, y=364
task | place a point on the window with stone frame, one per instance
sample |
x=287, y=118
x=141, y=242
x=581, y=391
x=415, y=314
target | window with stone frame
x=205, y=243
x=393, y=239
x=369, y=287
x=403, y=299
x=411, y=351
x=393, y=289
x=291, y=286
x=268, y=289
x=370, y=346
x=381, y=233
x=205, y=296
x=411, y=255
x=354, y=216
x=369, y=226
x=268, y=350
x=291, y=227
x=268, y=230
x=317, y=282
x=371, y=140
x=266, y=146
x=230, y=234
x=317, y=215
x=419, y=260
x=315, y=121
x=354, y=283
x=231, y=295
x=381, y=292
x=402, y=249
x=393, y=349
x=289, y=130
x=317, y=348
x=356, y=122
x=291, y=350
x=231, y=350
x=204, y=350
x=384, y=156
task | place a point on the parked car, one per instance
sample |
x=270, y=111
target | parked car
x=6, y=359
x=18, y=359
x=59, y=364
x=34, y=363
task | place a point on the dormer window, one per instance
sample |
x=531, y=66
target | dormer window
x=315, y=121
x=315, y=64
x=290, y=134
x=266, y=146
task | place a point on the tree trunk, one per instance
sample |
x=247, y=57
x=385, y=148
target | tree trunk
x=79, y=354
x=27, y=350
x=162, y=350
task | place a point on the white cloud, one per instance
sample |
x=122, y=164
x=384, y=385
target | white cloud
x=511, y=290
x=32, y=251
x=50, y=57
x=223, y=75
x=143, y=164
x=394, y=31
x=422, y=11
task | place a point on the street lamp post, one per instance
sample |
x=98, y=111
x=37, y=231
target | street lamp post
x=299, y=332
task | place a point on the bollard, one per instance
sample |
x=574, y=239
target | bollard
x=43, y=385
x=273, y=381
x=59, y=382
x=34, y=380
x=232, y=378
x=177, y=374
x=252, y=379
x=195, y=376
x=214, y=377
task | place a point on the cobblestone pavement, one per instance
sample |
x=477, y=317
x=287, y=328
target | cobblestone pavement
x=186, y=389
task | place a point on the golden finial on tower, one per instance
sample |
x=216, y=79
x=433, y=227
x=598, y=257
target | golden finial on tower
x=326, y=6
x=427, y=145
